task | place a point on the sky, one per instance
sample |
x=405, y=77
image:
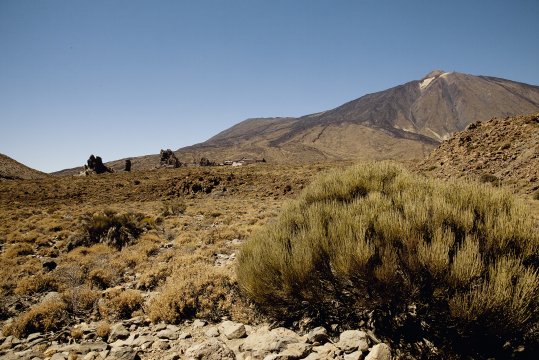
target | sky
x=123, y=78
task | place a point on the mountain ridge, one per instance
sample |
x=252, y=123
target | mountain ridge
x=413, y=117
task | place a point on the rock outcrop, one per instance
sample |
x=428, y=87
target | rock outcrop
x=169, y=159
x=95, y=163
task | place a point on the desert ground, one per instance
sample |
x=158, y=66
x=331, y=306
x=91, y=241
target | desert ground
x=154, y=250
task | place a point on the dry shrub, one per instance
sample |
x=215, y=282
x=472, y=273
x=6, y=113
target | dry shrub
x=19, y=249
x=48, y=315
x=80, y=300
x=195, y=292
x=110, y=228
x=375, y=237
x=102, y=278
x=37, y=283
x=154, y=277
x=76, y=333
x=103, y=329
x=119, y=304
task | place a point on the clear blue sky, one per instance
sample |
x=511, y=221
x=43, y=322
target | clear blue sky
x=122, y=78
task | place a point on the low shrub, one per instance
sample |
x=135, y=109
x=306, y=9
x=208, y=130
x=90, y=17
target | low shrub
x=102, y=329
x=121, y=304
x=38, y=283
x=110, y=228
x=378, y=238
x=48, y=315
x=200, y=292
x=102, y=278
x=80, y=300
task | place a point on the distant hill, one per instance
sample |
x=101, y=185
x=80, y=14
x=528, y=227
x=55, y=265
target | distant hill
x=12, y=170
x=403, y=122
x=500, y=151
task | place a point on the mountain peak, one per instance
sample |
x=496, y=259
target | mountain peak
x=433, y=74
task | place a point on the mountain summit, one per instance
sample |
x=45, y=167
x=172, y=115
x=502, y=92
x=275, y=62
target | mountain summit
x=404, y=122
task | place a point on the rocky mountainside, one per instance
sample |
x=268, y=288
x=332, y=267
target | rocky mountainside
x=500, y=150
x=11, y=169
x=403, y=122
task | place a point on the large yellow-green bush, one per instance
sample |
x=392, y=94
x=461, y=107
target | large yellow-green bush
x=375, y=236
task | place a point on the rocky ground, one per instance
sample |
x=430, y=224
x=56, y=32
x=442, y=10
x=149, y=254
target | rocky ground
x=137, y=338
x=502, y=151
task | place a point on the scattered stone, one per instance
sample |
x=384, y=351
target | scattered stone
x=212, y=332
x=263, y=341
x=296, y=350
x=161, y=345
x=59, y=356
x=160, y=326
x=198, y=324
x=356, y=355
x=326, y=351
x=352, y=340
x=124, y=353
x=232, y=330
x=379, y=352
x=211, y=349
x=92, y=355
x=167, y=334
x=118, y=331
x=84, y=348
x=184, y=335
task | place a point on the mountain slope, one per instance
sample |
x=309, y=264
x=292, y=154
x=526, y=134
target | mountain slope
x=11, y=169
x=404, y=122
x=501, y=151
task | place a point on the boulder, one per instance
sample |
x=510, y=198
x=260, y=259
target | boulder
x=379, y=352
x=211, y=349
x=232, y=330
x=263, y=341
x=352, y=340
x=118, y=331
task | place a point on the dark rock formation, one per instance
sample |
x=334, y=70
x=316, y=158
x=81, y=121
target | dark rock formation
x=169, y=159
x=95, y=163
x=127, y=165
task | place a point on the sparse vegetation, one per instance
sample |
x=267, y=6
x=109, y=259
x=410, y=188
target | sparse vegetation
x=377, y=238
x=108, y=242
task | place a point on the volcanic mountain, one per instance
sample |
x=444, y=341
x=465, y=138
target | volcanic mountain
x=11, y=169
x=404, y=122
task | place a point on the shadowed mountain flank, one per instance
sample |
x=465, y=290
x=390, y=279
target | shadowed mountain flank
x=11, y=169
